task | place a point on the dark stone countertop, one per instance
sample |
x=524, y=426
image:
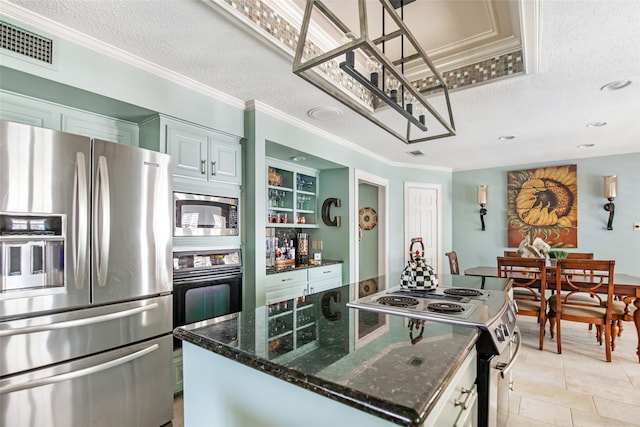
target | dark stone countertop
x=364, y=360
x=325, y=262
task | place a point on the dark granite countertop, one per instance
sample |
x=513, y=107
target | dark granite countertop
x=324, y=262
x=362, y=359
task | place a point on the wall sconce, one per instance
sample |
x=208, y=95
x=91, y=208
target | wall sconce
x=482, y=200
x=610, y=193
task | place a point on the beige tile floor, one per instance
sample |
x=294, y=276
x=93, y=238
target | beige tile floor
x=576, y=388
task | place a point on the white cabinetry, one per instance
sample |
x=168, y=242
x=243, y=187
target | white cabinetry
x=100, y=127
x=293, y=284
x=203, y=154
x=35, y=112
x=458, y=404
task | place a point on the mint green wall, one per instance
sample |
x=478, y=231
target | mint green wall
x=335, y=239
x=89, y=80
x=261, y=128
x=368, y=249
x=475, y=247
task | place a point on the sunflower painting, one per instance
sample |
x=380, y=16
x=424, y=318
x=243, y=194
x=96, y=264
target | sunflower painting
x=543, y=203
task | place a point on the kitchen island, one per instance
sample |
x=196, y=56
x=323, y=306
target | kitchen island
x=397, y=373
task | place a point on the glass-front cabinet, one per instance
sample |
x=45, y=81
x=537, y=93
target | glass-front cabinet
x=291, y=325
x=291, y=195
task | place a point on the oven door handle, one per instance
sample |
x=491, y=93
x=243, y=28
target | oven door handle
x=504, y=368
x=78, y=322
x=79, y=373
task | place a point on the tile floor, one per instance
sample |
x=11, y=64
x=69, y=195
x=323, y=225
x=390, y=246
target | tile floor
x=576, y=388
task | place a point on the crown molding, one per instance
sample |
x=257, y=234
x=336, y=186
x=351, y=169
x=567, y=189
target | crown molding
x=45, y=24
x=530, y=12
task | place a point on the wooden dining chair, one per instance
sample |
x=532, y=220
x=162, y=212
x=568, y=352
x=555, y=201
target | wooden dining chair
x=511, y=254
x=453, y=262
x=529, y=282
x=581, y=286
x=579, y=255
x=622, y=310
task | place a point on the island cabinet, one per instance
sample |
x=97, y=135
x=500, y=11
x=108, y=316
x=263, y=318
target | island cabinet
x=303, y=281
x=230, y=380
x=198, y=153
x=290, y=321
x=291, y=195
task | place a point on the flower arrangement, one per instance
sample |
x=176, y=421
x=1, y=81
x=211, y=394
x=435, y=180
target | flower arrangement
x=558, y=254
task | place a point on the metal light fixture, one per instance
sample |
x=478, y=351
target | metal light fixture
x=482, y=200
x=610, y=193
x=361, y=74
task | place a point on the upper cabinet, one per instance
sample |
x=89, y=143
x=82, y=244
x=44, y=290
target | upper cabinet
x=198, y=153
x=35, y=112
x=100, y=127
x=291, y=195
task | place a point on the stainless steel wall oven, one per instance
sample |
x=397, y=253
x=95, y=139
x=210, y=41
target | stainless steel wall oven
x=206, y=284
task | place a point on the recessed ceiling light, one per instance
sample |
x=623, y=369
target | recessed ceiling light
x=324, y=113
x=586, y=145
x=506, y=137
x=298, y=158
x=596, y=124
x=618, y=84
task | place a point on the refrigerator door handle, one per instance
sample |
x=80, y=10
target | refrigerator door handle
x=79, y=373
x=78, y=322
x=102, y=220
x=79, y=220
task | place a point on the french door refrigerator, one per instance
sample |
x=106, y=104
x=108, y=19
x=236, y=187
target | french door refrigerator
x=85, y=281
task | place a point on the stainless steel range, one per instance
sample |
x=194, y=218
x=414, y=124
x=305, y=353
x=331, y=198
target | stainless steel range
x=492, y=312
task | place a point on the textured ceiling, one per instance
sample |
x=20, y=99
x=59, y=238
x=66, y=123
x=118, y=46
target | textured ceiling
x=582, y=45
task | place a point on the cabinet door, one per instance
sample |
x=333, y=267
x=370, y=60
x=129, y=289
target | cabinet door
x=100, y=127
x=188, y=146
x=224, y=161
x=27, y=112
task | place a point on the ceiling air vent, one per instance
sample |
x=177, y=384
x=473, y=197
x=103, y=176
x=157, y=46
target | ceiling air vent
x=26, y=43
x=415, y=153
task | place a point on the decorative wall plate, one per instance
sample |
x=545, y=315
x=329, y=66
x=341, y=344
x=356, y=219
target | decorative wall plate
x=367, y=218
x=367, y=287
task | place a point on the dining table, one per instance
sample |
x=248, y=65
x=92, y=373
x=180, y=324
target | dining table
x=625, y=285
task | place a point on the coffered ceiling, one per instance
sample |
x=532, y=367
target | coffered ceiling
x=561, y=54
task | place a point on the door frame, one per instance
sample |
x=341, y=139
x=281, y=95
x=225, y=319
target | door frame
x=407, y=238
x=382, y=184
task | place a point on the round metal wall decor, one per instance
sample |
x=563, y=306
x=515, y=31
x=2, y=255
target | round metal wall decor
x=368, y=218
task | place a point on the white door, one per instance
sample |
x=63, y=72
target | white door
x=422, y=219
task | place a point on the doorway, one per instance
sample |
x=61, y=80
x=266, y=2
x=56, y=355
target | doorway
x=423, y=212
x=371, y=228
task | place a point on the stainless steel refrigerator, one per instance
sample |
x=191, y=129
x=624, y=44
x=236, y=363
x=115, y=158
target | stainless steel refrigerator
x=85, y=281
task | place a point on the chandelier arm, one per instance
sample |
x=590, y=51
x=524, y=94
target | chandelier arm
x=363, y=81
x=330, y=15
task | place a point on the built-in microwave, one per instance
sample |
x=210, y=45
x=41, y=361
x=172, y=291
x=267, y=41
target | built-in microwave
x=204, y=215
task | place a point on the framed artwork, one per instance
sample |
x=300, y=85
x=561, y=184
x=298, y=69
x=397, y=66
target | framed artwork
x=543, y=203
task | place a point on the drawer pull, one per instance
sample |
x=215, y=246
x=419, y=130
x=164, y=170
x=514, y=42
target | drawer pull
x=203, y=165
x=465, y=404
x=287, y=280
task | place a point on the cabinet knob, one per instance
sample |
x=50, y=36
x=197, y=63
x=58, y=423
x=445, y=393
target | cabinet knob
x=213, y=168
x=203, y=165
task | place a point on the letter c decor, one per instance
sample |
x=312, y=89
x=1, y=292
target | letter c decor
x=326, y=214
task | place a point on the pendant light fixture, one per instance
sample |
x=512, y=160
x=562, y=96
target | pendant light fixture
x=369, y=71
